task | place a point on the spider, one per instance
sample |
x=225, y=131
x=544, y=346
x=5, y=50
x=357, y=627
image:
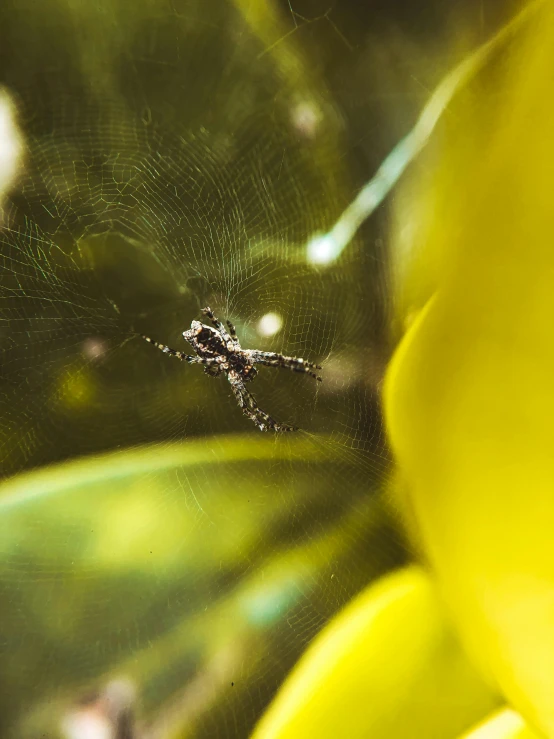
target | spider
x=220, y=352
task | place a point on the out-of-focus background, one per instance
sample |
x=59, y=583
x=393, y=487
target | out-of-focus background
x=163, y=563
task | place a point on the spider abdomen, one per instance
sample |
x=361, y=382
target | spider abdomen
x=242, y=367
x=205, y=340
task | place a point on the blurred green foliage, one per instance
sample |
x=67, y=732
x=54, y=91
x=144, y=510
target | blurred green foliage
x=173, y=565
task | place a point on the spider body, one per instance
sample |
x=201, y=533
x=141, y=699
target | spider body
x=219, y=351
x=209, y=343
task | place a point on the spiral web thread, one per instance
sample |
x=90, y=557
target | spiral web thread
x=189, y=163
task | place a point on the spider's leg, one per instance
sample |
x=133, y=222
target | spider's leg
x=233, y=332
x=250, y=408
x=296, y=364
x=207, y=311
x=173, y=352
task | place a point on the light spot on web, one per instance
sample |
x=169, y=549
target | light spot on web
x=322, y=249
x=306, y=117
x=88, y=723
x=270, y=324
x=99, y=718
x=10, y=143
x=93, y=348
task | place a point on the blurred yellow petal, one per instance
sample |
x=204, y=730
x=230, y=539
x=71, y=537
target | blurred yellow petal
x=388, y=666
x=469, y=396
x=505, y=724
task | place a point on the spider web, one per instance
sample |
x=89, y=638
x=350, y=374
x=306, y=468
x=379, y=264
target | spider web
x=178, y=158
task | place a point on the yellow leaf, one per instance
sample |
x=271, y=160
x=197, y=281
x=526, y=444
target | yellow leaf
x=469, y=396
x=505, y=724
x=387, y=666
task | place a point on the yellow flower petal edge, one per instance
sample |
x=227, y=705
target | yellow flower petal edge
x=505, y=724
x=469, y=395
x=388, y=666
